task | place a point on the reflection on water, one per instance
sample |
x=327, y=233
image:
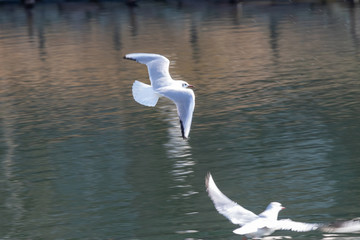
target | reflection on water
x=338, y=236
x=276, y=237
x=179, y=151
x=276, y=118
x=12, y=202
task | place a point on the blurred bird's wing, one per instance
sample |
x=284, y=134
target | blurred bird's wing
x=288, y=224
x=225, y=206
x=342, y=226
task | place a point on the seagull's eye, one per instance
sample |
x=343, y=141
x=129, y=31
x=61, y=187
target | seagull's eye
x=184, y=85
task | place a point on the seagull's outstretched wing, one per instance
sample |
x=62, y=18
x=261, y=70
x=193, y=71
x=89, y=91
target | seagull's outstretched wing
x=288, y=224
x=185, y=103
x=233, y=211
x=158, y=66
x=342, y=226
x=349, y=226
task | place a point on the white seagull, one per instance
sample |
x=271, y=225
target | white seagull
x=162, y=85
x=264, y=224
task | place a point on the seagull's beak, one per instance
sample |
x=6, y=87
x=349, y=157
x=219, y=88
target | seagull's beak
x=190, y=86
x=282, y=208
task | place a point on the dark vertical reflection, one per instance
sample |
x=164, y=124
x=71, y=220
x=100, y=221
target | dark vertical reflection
x=41, y=42
x=355, y=29
x=194, y=40
x=274, y=38
x=133, y=21
x=30, y=22
x=117, y=37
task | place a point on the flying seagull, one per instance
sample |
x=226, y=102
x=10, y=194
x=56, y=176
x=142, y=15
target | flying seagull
x=162, y=85
x=256, y=226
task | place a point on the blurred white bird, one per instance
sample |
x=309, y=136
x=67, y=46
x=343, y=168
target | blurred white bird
x=163, y=85
x=264, y=224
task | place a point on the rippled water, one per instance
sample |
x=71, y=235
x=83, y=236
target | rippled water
x=277, y=118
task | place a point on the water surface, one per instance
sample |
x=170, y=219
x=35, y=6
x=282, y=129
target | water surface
x=277, y=118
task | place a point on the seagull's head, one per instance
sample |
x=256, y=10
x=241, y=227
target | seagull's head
x=276, y=206
x=272, y=210
x=185, y=84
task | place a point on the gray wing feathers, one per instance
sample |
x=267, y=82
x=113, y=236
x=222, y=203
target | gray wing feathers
x=158, y=66
x=185, y=103
x=335, y=227
x=231, y=210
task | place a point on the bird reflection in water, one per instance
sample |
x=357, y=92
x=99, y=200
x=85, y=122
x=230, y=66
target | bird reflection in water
x=179, y=151
x=13, y=186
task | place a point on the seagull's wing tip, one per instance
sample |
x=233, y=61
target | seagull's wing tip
x=182, y=130
x=207, y=180
x=129, y=58
x=208, y=175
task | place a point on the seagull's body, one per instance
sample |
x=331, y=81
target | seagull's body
x=162, y=85
x=264, y=224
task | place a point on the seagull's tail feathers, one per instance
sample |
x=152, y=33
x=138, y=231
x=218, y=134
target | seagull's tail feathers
x=144, y=94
